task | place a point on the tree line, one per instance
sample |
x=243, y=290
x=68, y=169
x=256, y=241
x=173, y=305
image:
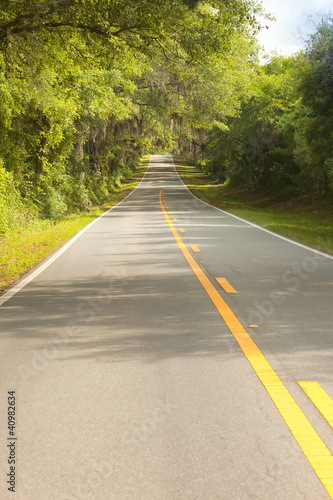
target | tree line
x=88, y=87
x=281, y=141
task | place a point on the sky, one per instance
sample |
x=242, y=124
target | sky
x=287, y=34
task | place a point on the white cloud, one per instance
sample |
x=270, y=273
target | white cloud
x=286, y=35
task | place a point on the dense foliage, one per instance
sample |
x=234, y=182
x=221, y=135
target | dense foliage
x=282, y=139
x=87, y=87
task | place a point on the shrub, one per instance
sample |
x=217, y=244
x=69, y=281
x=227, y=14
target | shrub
x=14, y=214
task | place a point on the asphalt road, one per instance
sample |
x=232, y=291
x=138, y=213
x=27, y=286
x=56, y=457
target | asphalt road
x=134, y=372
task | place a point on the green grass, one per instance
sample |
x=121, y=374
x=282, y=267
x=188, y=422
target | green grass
x=23, y=250
x=305, y=220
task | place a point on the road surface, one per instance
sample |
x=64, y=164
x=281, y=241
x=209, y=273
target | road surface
x=171, y=351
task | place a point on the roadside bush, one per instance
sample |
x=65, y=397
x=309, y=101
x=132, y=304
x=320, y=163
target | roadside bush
x=13, y=212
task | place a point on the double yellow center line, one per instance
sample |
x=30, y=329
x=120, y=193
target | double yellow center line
x=311, y=444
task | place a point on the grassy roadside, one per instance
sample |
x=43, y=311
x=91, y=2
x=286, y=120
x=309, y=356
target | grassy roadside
x=307, y=221
x=21, y=251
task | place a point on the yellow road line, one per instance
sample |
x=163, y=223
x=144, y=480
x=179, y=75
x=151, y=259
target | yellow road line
x=195, y=248
x=225, y=285
x=309, y=441
x=182, y=230
x=320, y=399
x=174, y=219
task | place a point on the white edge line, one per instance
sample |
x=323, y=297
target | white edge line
x=14, y=289
x=328, y=256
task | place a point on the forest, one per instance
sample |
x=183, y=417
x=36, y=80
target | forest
x=89, y=86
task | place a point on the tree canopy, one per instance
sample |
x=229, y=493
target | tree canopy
x=88, y=86
x=281, y=141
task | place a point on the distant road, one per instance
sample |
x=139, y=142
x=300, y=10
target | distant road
x=171, y=351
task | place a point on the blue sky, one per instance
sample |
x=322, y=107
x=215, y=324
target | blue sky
x=292, y=17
